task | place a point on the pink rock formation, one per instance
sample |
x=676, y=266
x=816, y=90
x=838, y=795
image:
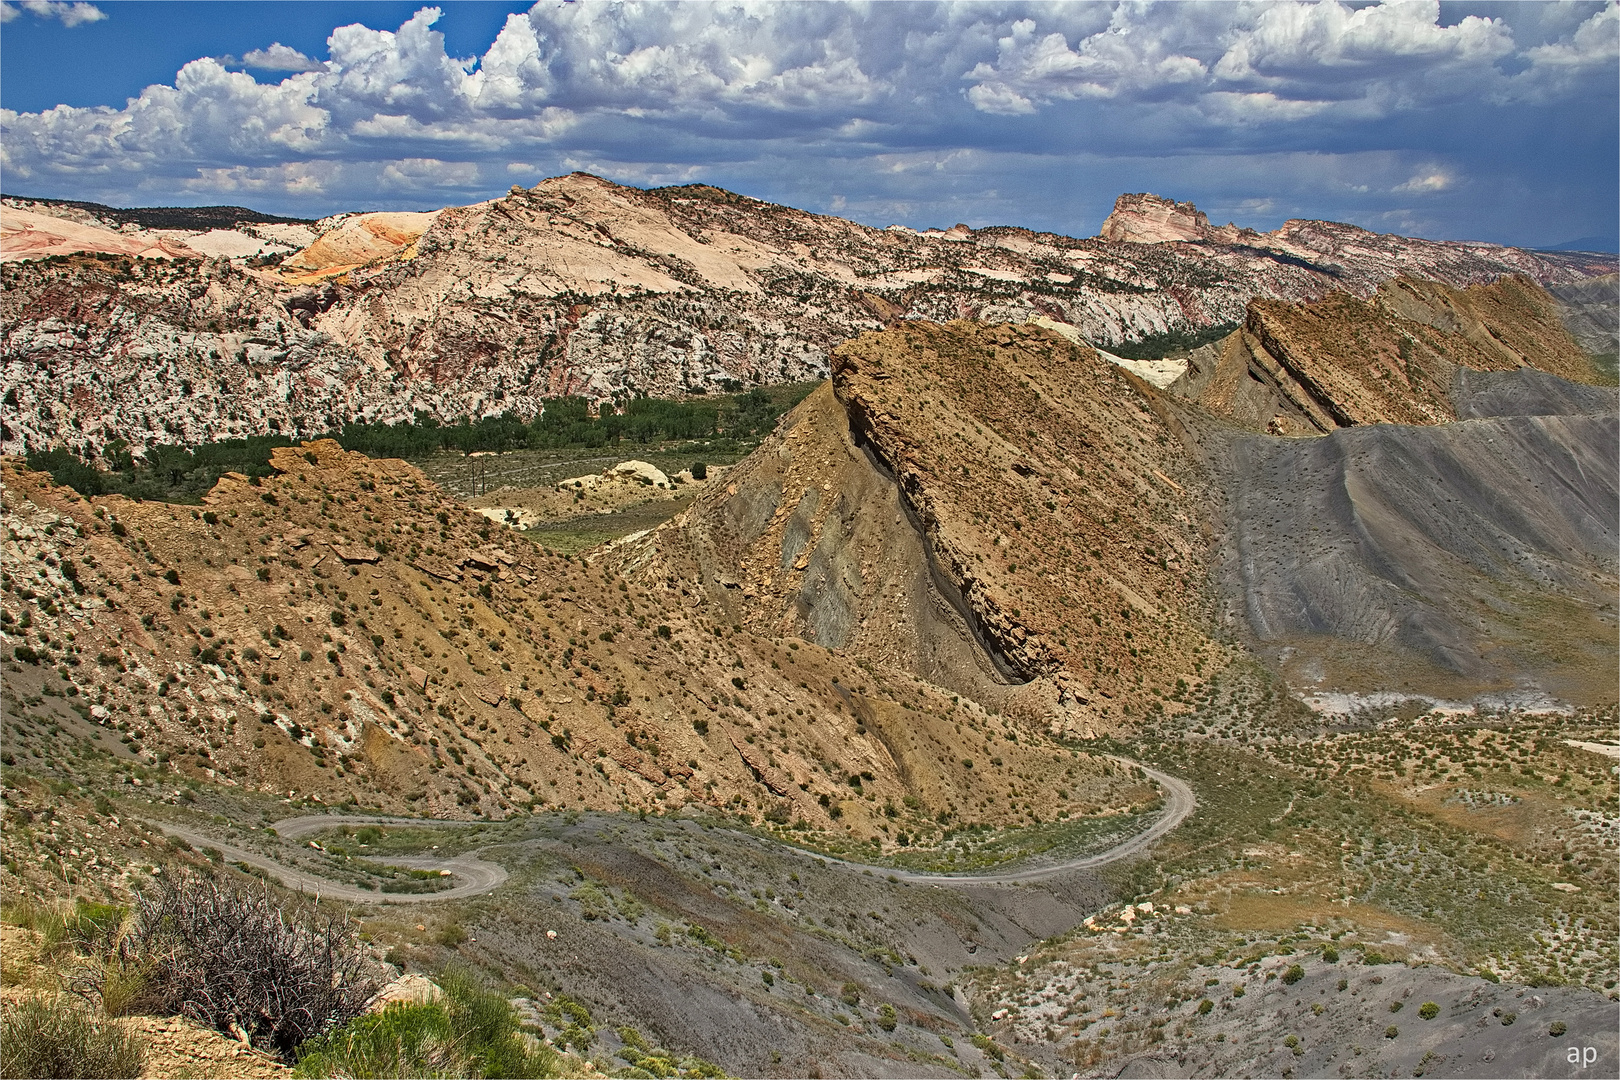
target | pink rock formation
x=27, y=235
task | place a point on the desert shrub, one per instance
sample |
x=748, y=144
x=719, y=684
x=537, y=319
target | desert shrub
x=1557, y=1028
x=245, y=962
x=1293, y=974
x=1205, y=1007
x=887, y=1017
x=470, y=1032
x=1429, y=1010
x=56, y=1036
x=574, y=1020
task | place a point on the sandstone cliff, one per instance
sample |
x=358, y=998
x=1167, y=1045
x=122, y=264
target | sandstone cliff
x=580, y=286
x=1296, y=369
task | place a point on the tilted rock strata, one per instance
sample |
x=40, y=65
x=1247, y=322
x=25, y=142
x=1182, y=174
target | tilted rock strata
x=993, y=507
x=1308, y=368
x=580, y=286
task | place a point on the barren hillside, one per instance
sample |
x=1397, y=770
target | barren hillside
x=993, y=507
x=345, y=632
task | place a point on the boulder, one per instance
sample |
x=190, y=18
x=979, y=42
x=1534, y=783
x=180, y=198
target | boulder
x=643, y=471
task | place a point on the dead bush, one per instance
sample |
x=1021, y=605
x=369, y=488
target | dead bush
x=245, y=963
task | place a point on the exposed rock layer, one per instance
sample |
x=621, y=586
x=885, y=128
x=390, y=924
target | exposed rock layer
x=993, y=507
x=1308, y=368
x=579, y=286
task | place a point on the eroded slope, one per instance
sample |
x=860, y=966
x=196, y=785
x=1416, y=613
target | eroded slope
x=1465, y=558
x=1454, y=531
x=345, y=631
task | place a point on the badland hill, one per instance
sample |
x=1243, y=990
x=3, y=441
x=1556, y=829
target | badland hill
x=343, y=632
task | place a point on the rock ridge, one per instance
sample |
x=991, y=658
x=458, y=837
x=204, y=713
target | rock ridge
x=581, y=286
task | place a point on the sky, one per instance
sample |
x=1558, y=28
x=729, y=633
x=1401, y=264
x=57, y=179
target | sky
x=1461, y=121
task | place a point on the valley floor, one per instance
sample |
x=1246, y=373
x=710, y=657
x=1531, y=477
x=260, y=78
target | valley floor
x=1325, y=890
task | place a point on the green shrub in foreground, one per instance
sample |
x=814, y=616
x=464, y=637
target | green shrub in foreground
x=55, y=1036
x=471, y=1032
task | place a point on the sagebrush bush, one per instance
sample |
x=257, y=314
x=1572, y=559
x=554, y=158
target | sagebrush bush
x=243, y=962
x=470, y=1032
x=50, y=1035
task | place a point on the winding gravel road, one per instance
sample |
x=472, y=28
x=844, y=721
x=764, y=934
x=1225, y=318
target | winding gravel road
x=1179, y=804
x=474, y=875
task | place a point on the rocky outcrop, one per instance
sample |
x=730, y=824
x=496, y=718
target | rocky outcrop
x=1298, y=369
x=1148, y=219
x=28, y=235
x=355, y=242
x=580, y=286
x=995, y=508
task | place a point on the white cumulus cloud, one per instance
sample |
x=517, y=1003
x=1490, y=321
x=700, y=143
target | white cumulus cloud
x=1131, y=54
x=279, y=57
x=921, y=101
x=1424, y=182
x=68, y=14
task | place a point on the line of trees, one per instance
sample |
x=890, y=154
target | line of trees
x=183, y=474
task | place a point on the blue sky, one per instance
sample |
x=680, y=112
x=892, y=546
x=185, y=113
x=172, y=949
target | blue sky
x=1479, y=121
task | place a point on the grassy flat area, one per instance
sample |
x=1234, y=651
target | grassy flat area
x=466, y=476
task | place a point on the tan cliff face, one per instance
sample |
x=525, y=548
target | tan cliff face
x=581, y=286
x=358, y=241
x=345, y=631
x=1148, y=219
x=1297, y=369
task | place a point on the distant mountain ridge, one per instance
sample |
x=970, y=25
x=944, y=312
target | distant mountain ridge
x=1606, y=244
x=581, y=286
x=162, y=217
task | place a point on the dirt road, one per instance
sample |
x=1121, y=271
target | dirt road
x=475, y=876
